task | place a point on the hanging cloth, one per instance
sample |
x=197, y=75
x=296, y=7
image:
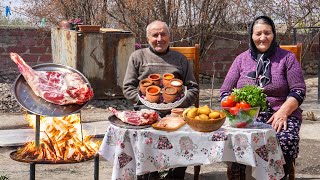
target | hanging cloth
x=43, y=22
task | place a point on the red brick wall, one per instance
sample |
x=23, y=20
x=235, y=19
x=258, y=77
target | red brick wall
x=32, y=44
x=221, y=54
x=227, y=46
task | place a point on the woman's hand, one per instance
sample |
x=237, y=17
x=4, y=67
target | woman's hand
x=278, y=120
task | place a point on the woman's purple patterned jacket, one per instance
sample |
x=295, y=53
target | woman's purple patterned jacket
x=286, y=78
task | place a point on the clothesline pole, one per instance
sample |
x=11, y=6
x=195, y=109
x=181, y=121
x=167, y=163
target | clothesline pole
x=212, y=83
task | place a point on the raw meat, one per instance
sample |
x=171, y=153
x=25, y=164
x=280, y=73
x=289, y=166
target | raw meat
x=170, y=122
x=54, y=86
x=138, y=118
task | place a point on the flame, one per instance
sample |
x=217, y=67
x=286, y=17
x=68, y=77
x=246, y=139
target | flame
x=61, y=138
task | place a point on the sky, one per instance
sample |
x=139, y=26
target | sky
x=14, y=6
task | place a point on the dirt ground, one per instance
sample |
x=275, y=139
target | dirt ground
x=308, y=167
x=307, y=164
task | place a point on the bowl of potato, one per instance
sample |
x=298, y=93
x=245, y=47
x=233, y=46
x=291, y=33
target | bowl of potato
x=204, y=119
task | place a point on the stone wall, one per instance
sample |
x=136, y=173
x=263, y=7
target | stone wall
x=32, y=44
x=311, y=59
x=219, y=57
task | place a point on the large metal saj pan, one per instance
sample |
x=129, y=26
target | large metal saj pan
x=35, y=104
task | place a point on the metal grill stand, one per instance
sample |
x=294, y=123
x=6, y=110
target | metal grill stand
x=37, y=142
x=95, y=173
x=38, y=106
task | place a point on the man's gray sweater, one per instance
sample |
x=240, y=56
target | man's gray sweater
x=143, y=62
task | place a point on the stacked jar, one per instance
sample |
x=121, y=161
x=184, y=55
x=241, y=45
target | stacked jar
x=151, y=88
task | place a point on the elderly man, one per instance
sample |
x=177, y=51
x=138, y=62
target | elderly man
x=159, y=59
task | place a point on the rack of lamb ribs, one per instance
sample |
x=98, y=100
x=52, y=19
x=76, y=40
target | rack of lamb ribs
x=57, y=87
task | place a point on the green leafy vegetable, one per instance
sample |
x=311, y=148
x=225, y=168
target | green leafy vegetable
x=251, y=94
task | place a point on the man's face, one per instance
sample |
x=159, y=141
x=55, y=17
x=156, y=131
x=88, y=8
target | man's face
x=158, y=37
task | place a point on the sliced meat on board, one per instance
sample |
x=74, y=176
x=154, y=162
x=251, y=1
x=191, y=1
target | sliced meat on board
x=138, y=118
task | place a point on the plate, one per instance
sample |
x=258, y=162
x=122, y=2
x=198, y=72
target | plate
x=37, y=105
x=117, y=122
x=164, y=106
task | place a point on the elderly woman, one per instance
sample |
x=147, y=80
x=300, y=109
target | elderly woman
x=279, y=73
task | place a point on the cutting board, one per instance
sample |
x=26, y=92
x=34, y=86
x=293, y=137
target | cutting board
x=163, y=124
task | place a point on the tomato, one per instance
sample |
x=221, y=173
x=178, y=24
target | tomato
x=238, y=105
x=241, y=124
x=245, y=106
x=234, y=110
x=231, y=99
x=228, y=102
x=225, y=103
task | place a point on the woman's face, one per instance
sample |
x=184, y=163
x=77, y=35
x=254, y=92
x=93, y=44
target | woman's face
x=158, y=37
x=262, y=36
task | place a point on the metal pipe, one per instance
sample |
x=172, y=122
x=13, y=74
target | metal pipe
x=32, y=171
x=37, y=138
x=294, y=36
x=81, y=128
x=310, y=27
x=318, y=82
x=319, y=75
x=212, y=84
x=96, y=167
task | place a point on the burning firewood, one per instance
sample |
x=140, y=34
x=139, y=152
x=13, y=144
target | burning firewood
x=60, y=139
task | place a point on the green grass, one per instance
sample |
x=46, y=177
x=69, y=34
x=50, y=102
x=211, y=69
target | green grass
x=14, y=22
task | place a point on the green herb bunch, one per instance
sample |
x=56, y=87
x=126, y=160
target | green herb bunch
x=251, y=94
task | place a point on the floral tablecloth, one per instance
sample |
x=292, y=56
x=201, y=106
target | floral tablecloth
x=139, y=151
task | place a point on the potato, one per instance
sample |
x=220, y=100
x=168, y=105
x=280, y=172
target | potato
x=204, y=117
x=204, y=110
x=193, y=112
x=214, y=115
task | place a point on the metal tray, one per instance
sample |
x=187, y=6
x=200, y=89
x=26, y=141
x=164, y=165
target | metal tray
x=15, y=156
x=37, y=105
x=117, y=122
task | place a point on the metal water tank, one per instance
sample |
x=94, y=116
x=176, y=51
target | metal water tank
x=101, y=56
